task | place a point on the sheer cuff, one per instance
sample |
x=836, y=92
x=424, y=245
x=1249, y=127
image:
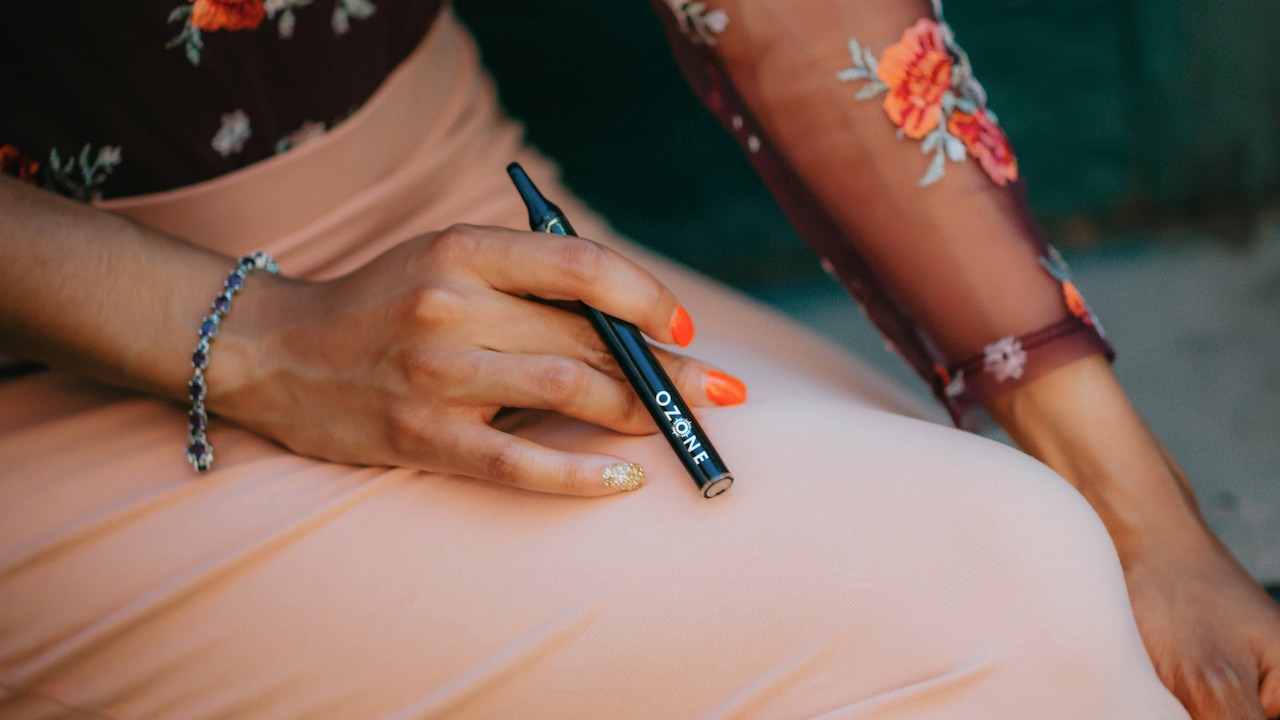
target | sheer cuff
x=1012, y=362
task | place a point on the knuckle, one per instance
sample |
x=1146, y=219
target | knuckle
x=435, y=305
x=634, y=413
x=459, y=242
x=600, y=357
x=503, y=463
x=1214, y=682
x=594, y=352
x=420, y=365
x=573, y=481
x=683, y=371
x=561, y=380
x=582, y=261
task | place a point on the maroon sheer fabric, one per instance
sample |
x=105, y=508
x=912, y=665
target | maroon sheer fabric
x=872, y=135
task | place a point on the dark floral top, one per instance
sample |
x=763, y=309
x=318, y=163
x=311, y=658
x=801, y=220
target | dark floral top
x=107, y=98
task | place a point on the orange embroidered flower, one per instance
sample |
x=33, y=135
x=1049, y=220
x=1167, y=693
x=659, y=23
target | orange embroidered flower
x=227, y=14
x=987, y=142
x=918, y=71
x=13, y=162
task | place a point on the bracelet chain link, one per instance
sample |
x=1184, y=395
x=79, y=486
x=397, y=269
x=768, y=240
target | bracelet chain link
x=199, y=451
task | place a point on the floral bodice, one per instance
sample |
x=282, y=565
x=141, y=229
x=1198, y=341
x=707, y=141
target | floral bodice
x=122, y=97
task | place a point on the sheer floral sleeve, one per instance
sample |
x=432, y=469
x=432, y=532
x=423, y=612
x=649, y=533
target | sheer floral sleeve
x=868, y=125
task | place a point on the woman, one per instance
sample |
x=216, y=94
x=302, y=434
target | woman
x=866, y=564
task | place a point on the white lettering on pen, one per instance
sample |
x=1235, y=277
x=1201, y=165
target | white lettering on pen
x=681, y=428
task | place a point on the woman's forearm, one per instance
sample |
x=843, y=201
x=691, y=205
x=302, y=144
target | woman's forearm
x=88, y=290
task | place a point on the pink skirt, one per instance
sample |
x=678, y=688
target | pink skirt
x=868, y=563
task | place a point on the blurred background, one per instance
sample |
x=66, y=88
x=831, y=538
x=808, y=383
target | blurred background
x=1148, y=130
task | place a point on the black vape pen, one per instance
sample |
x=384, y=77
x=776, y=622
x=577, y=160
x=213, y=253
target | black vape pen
x=642, y=369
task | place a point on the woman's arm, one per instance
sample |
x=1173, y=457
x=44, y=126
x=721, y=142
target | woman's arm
x=86, y=289
x=403, y=362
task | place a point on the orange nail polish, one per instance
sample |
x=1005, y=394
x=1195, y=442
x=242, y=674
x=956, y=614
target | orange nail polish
x=725, y=389
x=682, y=327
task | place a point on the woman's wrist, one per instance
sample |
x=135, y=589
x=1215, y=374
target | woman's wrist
x=1078, y=421
x=247, y=353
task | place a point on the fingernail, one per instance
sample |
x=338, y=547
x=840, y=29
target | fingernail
x=625, y=476
x=682, y=327
x=725, y=389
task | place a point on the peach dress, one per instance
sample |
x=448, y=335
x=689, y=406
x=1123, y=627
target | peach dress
x=868, y=562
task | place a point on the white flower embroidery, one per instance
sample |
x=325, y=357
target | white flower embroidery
x=233, y=133
x=344, y=10
x=1005, y=358
x=716, y=21
x=108, y=156
x=698, y=23
x=284, y=8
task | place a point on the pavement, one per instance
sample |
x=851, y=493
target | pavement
x=1196, y=323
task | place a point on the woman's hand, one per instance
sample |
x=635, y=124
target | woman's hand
x=1212, y=633
x=407, y=360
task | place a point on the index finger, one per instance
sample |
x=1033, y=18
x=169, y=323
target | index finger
x=563, y=267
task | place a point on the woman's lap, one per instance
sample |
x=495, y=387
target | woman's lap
x=864, y=564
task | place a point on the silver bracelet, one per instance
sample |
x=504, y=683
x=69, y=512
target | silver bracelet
x=199, y=451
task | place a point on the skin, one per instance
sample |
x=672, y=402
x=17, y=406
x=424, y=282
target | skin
x=410, y=357
x=407, y=359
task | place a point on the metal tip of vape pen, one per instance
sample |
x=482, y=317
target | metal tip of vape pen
x=540, y=208
x=720, y=484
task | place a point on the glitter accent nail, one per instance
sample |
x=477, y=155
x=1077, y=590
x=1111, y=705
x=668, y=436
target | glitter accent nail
x=627, y=476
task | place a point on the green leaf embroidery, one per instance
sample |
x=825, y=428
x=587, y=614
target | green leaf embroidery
x=60, y=176
x=870, y=90
x=936, y=169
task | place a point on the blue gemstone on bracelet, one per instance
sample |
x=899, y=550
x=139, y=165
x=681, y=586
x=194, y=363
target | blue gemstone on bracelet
x=199, y=451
